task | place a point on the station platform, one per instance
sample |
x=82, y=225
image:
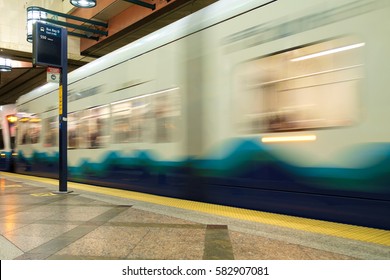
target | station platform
x=101, y=223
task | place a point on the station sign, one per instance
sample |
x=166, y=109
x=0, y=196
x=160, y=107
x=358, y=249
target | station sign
x=47, y=44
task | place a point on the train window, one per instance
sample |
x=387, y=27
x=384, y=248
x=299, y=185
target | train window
x=50, y=127
x=137, y=126
x=89, y=128
x=166, y=111
x=121, y=122
x=35, y=130
x=22, y=130
x=130, y=120
x=152, y=117
x=29, y=130
x=77, y=131
x=96, y=120
x=311, y=87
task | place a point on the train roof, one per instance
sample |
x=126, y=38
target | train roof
x=217, y=12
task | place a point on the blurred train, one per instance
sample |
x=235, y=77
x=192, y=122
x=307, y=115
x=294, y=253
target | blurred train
x=8, y=121
x=279, y=106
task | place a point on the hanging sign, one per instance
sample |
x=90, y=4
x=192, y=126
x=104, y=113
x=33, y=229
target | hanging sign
x=47, y=44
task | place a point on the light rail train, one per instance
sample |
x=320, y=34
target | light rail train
x=279, y=106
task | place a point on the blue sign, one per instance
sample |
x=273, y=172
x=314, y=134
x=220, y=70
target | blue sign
x=47, y=44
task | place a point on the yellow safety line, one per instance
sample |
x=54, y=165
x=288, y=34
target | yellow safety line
x=360, y=233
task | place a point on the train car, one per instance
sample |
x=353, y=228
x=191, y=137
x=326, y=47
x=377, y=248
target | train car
x=8, y=120
x=277, y=106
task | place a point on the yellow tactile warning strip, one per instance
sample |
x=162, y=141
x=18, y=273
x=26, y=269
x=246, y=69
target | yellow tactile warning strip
x=359, y=233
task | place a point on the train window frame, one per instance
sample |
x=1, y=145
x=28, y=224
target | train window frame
x=98, y=128
x=73, y=138
x=167, y=110
x=267, y=88
x=146, y=112
x=120, y=121
x=89, y=128
x=29, y=130
x=131, y=120
x=51, y=132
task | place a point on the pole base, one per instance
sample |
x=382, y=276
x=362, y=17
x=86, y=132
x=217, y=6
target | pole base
x=61, y=192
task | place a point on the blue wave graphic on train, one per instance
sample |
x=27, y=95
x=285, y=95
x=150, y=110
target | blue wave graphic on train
x=248, y=176
x=247, y=164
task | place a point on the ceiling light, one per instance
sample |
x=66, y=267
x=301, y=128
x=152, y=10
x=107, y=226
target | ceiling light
x=5, y=64
x=34, y=14
x=83, y=3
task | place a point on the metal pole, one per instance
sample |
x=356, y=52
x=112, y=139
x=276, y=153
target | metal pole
x=63, y=115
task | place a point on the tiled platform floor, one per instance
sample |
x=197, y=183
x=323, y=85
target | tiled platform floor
x=37, y=224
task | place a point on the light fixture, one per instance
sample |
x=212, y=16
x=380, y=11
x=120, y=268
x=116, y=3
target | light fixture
x=331, y=51
x=34, y=14
x=92, y=3
x=5, y=64
x=12, y=118
x=295, y=138
x=83, y=3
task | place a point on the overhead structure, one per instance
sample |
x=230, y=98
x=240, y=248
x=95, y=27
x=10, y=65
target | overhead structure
x=143, y=4
x=88, y=29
